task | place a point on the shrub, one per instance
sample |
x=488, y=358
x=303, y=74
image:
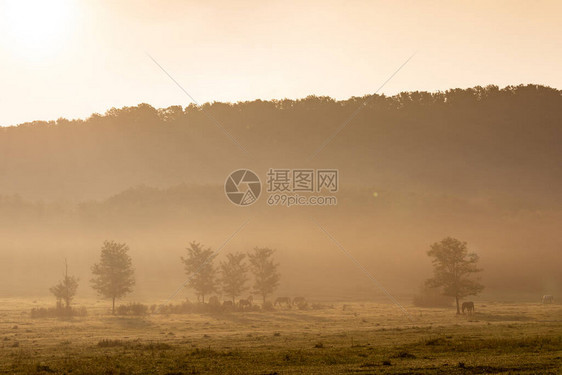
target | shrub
x=430, y=297
x=107, y=343
x=320, y=306
x=185, y=307
x=132, y=309
x=404, y=355
x=111, y=343
x=57, y=312
x=303, y=306
x=268, y=306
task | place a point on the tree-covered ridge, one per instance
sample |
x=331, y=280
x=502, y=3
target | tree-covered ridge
x=495, y=135
x=510, y=97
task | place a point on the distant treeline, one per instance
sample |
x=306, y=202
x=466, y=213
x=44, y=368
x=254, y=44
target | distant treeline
x=458, y=141
x=144, y=206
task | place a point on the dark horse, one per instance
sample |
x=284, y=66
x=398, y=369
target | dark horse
x=469, y=306
x=282, y=301
x=243, y=303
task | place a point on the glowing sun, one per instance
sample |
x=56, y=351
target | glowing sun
x=36, y=28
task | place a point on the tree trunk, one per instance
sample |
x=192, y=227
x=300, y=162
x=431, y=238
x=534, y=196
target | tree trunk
x=458, y=310
x=113, y=307
x=264, y=299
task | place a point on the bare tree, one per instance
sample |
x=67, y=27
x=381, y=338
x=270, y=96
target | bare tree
x=233, y=275
x=65, y=290
x=453, y=267
x=266, y=275
x=114, y=274
x=200, y=270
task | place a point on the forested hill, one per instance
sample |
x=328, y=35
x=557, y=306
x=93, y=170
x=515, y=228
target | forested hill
x=472, y=141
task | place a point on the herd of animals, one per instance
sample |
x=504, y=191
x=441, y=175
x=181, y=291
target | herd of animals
x=247, y=302
x=467, y=306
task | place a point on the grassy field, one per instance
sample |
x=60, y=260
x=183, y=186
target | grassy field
x=362, y=338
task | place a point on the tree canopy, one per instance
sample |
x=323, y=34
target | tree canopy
x=454, y=268
x=233, y=275
x=265, y=270
x=66, y=289
x=496, y=134
x=114, y=274
x=198, y=265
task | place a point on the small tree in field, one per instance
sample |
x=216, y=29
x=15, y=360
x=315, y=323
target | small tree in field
x=65, y=290
x=200, y=270
x=266, y=276
x=114, y=274
x=453, y=267
x=233, y=275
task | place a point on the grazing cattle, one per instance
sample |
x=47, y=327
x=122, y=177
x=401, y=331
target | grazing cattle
x=282, y=301
x=243, y=303
x=299, y=301
x=228, y=304
x=469, y=306
x=547, y=298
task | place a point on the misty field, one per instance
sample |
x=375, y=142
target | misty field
x=356, y=338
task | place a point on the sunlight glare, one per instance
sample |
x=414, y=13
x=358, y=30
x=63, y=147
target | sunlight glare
x=36, y=28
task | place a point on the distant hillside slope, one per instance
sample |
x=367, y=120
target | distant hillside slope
x=465, y=142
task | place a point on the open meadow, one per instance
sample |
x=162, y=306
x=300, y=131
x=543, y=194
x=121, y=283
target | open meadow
x=355, y=338
x=280, y=187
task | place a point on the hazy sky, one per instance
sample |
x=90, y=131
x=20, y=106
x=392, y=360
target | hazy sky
x=72, y=58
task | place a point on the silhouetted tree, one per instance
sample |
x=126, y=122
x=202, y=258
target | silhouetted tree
x=266, y=276
x=453, y=267
x=114, y=274
x=65, y=290
x=200, y=270
x=233, y=275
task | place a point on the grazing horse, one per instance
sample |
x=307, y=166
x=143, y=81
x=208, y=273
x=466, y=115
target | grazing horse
x=299, y=300
x=243, y=303
x=469, y=306
x=282, y=301
x=547, y=298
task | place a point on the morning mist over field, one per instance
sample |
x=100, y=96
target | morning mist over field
x=480, y=163
x=280, y=188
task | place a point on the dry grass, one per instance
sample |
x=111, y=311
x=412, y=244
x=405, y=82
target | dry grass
x=363, y=338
